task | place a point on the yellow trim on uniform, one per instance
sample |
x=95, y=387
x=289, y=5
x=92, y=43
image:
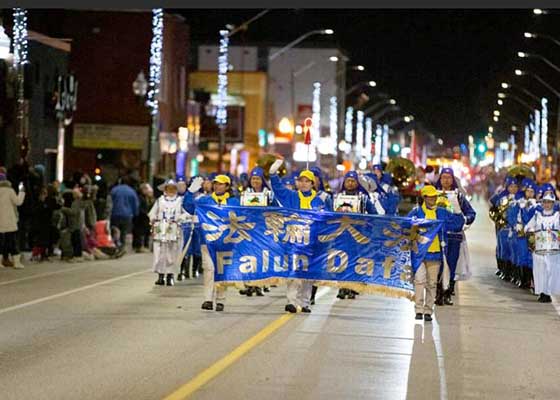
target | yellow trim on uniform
x=305, y=201
x=430, y=213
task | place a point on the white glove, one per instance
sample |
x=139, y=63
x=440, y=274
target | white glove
x=196, y=184
x=275, y=166
x=21, y=187
x=374, y=196
x=522, y=203
x=454, y=202
x=367, y=183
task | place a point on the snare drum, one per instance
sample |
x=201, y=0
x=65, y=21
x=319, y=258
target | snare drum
x=547, y=242
x=165, y=231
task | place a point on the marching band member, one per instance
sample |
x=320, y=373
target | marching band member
x=166, y=215
x=426, y=277
x=389, y=193
x=354, y=185
x=518, y=215
x=305, y=198
x=545, y=226
x=499, y=205
x=257, y=184
x=447, y=182
x=319, y=187
x=221, y=195
x=193, y=252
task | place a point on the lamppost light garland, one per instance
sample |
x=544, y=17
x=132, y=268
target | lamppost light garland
x=20, y=36
x=156, y=50
x=223, y=66
x=348, y=125
x=316, y=116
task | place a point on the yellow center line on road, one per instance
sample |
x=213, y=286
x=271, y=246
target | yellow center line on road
x=219, y=366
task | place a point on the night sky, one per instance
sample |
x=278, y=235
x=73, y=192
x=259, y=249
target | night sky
x=443, y=66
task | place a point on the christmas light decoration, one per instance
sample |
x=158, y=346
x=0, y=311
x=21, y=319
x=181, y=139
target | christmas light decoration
x=378, y=139
x=316, y=116
x=20, y=37
x=537, y=135
x=369, y=132
x=544, y=126
x=527, y=140
x=348, y=125
x=333, y=118
x=385, y=144
x=223, y=66
x=156, y=51
x=359, y=133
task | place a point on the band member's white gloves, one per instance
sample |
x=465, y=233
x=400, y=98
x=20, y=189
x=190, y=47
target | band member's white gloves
x=275, y=166
x=196, y=184
x=454, y=202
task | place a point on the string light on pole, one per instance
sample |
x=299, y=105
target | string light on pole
x=369, y=132
x=378, y=139
x=333, y=119
x=316, y=116
x=223, y=66
x=20, y=37
x=156, y=49
x=385, y=145
x=544, y=126
x=537, y=134
x=348, y=125
x=359, y=133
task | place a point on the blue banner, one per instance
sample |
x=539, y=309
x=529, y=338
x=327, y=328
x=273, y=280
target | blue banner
x=367, y=253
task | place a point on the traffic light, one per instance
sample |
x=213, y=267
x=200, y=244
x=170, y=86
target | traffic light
x=481, y=148
x=395, y=149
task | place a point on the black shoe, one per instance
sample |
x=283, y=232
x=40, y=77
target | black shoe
x=306, y=310
x=243, y=292
x=170, y=280
x=180, y=277
x=439, y=301
x=351, y=295
x=207, y=305
x=160, y=280
x=249, y=292
x=312, y=301
x=419, y=316
x=259, y=292
x=290, y=308
x=219, y=307
x=341, y=294
x=266, y=289
x=447, y=300
x=427, y=318
x=452, y=288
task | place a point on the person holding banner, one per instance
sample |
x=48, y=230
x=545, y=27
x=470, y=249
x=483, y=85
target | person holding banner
x=354, y=197
x=305, y=198
x=166, y=215
x=544, y=226
x=257, y=194
x=456, y=240
x=426, y=277
x=221, y=195
x=319, y=186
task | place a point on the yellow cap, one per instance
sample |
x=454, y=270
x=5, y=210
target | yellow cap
x=428, y=191
x=222, y=179
x=307, y=174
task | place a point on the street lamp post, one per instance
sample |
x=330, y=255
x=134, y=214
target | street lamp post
x=359, y=85
x=523, y=103
x=506, y=85
x=300, y=39
x=379, y=104
x=383, y=112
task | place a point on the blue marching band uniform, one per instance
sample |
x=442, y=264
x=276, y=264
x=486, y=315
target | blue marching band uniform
x=369, y=193
x=513, y=209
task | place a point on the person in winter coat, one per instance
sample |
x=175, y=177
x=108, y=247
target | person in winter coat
x=68, y=223
x=9, y=201
x=125, y=207
x=141, y=232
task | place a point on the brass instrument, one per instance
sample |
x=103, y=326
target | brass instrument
x=265, y=162
x=498, y=214
x=403, y=172
x=521, y=171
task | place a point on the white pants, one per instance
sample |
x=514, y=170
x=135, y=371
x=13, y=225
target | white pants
x=165, y=257
x=299, y=292
x=546, y=274
x=211, y=292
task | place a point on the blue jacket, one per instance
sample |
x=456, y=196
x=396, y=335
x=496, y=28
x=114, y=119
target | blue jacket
x=451, y=222
x=125, y=202
x=290, y=198
x=189, y=202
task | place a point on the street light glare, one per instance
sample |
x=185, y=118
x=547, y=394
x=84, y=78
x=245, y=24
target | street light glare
x=538, y=11
x=393, y=101
x=360, y=67
x=328, y=31
x=372, y=83
x=518, y=72
x=500, y=102
x=496, y=119
x=333, y=58
x=505, y=85
x=496, y=113
x=502, y=95
x=529, y=35
x=521, y=54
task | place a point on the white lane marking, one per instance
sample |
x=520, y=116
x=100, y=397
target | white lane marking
x=68, y=292
x=441, y=366
x=43, y=275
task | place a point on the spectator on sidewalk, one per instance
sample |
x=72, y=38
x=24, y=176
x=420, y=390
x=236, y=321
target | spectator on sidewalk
x=141, y=233
x=68, y=223
x=9, y=201
x=125, y=208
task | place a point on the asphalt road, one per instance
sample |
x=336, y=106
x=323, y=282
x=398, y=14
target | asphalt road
x=102, y=330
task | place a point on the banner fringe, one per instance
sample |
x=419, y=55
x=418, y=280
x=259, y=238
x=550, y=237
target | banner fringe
x=361, y=288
